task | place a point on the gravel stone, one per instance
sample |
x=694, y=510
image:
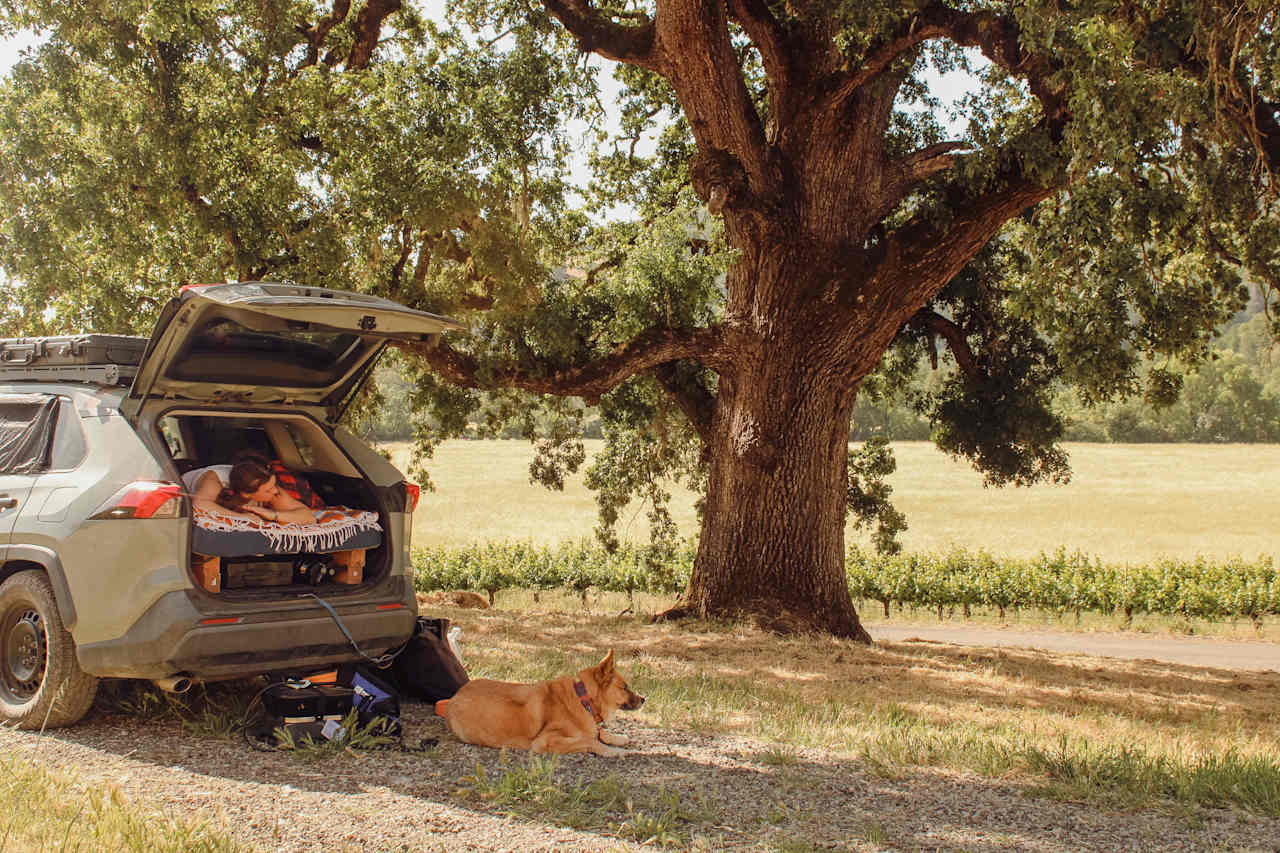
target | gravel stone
x=739, y=796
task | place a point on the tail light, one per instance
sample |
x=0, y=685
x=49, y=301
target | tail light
x=144, y=499
x=411, y=494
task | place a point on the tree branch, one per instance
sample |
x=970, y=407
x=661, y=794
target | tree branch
x=998, y=37
x=589, y=381
x=634, y=44
x=995, y=35
x=1266, y=125
x=395, y=282
x=688, y=43
x=315, y=34
x=918, y=165
x=933, y=322
x=769, y=38
x=693, y=398
x=215, y=222
x=615, y=259
x=910, y=34
x=368, y=28
x=921, y=256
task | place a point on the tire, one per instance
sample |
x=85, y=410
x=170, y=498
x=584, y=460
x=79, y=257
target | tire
x=41, y=683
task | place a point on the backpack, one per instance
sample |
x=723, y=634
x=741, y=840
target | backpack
x=374, y=699
x=426, y=668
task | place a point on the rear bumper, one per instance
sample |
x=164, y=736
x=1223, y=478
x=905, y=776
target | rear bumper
x=174, y=635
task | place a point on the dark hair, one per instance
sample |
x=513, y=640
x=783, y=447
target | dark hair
x=245, y=478
x=249, y=454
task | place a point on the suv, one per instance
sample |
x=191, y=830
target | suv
x=98, y=575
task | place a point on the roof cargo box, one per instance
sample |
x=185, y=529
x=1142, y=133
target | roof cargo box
x=104, y=359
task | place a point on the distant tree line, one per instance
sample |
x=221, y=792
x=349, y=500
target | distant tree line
x=1232, y=397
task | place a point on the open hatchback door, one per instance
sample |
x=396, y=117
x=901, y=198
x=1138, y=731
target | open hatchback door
x=266, y=343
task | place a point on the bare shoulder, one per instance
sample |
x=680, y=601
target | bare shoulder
x=209, y=483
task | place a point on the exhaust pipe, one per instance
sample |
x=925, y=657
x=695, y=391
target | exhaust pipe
x=174, y=683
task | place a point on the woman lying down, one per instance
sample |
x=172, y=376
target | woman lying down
x=262, y=498
x=246, y=490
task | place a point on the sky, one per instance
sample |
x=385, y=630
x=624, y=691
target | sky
x=10, y=48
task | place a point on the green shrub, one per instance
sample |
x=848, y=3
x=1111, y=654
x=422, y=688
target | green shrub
x=1061, y=581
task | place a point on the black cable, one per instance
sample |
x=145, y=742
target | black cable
x=383, y=660
x=258, y=744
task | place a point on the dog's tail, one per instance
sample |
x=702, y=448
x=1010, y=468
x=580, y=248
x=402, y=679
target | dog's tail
x=442, y=708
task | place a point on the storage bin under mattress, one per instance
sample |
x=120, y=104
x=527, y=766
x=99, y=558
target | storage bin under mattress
x=335, y=529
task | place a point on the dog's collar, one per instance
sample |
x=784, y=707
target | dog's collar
x=585, y=699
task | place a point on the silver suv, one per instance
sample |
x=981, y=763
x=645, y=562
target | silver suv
x=103, y=572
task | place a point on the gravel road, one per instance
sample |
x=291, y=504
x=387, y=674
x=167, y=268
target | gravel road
x=732, y=793
x=1190, y=651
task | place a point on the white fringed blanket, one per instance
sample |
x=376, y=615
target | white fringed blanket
x=333, y=526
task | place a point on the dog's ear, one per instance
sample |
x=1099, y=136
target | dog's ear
x=605, y=667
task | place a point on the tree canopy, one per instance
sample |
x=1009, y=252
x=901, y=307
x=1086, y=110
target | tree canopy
x=809, y=224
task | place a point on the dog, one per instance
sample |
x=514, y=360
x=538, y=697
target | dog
x=559, y=716
x=456, y=598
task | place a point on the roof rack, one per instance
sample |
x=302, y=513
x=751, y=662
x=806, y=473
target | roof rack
x=101, y=359
x=100, y=374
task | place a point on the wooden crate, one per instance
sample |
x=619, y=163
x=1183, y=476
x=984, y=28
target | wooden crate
x=350, y=566
x=247, y=574
x=208, y=571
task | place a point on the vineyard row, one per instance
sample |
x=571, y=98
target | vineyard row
x=1060, y=581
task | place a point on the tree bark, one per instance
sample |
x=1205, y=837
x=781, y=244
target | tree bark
x=772, y=542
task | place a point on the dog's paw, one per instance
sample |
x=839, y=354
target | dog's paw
x=614, y=739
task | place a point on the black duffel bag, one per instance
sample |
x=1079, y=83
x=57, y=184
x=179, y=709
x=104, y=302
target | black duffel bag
x=427, y=668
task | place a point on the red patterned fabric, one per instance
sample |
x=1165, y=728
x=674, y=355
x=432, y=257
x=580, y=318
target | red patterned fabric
x=296, y=486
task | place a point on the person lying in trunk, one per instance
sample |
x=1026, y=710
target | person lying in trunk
x=250, y=491
x=291, y=482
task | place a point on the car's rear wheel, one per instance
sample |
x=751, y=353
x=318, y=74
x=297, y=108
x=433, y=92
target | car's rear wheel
x=41, y=683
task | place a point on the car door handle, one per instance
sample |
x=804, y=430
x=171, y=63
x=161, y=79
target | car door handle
x=8, y=503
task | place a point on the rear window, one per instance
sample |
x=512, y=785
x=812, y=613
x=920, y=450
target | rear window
x=68, y=449
x=26, y=431
x=225, y=351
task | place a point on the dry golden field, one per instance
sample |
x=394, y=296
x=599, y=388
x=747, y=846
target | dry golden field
x=1126, y=503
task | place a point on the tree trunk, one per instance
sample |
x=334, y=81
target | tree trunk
x=772, y=542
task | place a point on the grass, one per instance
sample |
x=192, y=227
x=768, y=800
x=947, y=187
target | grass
x=215, y=710
x=1126, y=503
x=44, y=811
x=1122, y=733
x=223, y=709
x=527, y=787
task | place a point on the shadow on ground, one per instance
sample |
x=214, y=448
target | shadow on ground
x=731, y=789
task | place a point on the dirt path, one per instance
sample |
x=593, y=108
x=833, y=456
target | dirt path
x=1189, y=651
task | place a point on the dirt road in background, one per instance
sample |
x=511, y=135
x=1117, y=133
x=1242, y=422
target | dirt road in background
x=1189, y=651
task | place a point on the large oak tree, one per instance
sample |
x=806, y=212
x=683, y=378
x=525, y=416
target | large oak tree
x=1111, y=177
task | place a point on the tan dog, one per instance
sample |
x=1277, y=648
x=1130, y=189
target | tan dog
x=455, y=598
x=560, y=716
